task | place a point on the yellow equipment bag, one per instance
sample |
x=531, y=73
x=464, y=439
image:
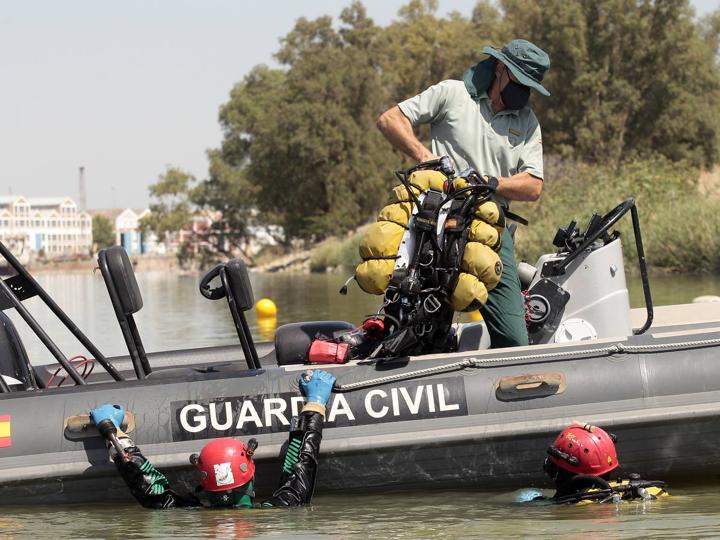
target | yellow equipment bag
x=374, y=275
x=382, y=240
x=400, y=194
x=397, y=213
x=481, y=261
x=468, y=290
x=490, y=212
x=424, y=180
x=483, y=232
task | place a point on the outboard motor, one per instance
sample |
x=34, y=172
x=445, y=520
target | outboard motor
x=580, y=292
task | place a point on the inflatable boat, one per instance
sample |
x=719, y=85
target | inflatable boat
x=474, y=417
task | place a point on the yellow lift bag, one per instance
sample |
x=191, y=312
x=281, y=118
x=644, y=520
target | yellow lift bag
x=479, y=264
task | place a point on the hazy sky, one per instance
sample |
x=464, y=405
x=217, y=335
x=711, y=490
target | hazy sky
x=126, y=88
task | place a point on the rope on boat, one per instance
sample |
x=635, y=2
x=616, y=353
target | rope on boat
x=618, y=348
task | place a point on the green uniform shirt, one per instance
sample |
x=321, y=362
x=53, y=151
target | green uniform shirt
x=501, y=144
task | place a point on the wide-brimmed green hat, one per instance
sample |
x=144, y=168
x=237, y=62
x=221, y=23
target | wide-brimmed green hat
x=527, y=62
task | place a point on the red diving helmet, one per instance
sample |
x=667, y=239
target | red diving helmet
x=584, y=450
x=224, y=464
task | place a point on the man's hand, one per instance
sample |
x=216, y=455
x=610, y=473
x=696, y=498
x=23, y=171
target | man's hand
x=318, y=387
x=114, y=413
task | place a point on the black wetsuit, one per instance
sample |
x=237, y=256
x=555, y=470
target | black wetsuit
x=297, y=481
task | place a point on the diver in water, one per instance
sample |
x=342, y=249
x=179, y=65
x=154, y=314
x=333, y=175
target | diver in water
x=225, y=465
x=580, y=462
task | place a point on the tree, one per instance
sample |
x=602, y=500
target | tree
x=628, y=77
x=102, y=232
x=421, y=49
x=171, y=208
x=305, y=139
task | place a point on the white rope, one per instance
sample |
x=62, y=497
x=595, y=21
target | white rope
x=618, y=348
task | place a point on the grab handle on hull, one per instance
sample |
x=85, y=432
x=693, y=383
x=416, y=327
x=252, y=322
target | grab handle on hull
x=81, y=426
x=529, y=386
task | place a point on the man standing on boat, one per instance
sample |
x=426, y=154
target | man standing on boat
x=484, y=122
x=225, y=465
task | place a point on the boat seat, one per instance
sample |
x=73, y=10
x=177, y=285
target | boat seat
x=14, y=364
x=122, y=286
x=292, y=341
x=472, y=336
x=235, y=287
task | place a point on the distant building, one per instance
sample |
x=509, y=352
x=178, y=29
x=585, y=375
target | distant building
x=126, y=224
x=52, y=226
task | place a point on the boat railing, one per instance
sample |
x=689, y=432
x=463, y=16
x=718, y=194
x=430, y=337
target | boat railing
x=22, y=286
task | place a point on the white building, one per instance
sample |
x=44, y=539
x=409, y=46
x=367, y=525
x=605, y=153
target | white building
x=52, y=226
x=126, y=224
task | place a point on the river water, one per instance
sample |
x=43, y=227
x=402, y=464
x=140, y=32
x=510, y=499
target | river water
x=176, y=316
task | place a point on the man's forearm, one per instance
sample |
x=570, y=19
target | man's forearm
x=397, y=129
x=520, y=187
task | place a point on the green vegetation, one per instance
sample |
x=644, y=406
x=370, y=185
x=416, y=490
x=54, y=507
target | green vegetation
x=102, y=232
x=337, y=253
x=171, y=207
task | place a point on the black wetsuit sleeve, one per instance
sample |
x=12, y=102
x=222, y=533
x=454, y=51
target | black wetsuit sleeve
x=297, y=480
x=148, y=485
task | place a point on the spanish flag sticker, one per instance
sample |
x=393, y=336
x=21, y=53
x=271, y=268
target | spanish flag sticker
x=5, y=438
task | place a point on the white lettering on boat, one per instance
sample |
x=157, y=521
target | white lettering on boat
x=275, y=406
x=340, y=406
x=214, y=422
x=412, y=404
x=441, y=400
x=201, y=421
x=248, y=412
x=369, y=407
x=268, y=413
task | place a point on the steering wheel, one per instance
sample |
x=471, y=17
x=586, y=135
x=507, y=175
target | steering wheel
x=209, y=292
x=593, y=233
x=607, y=221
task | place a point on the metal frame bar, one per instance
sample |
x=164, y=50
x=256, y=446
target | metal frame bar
x=643, y=272
x=40, y=333
x=243, y=330
x=60, y=314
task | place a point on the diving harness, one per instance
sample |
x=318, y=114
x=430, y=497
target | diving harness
x=587, y=488
x=433, y=251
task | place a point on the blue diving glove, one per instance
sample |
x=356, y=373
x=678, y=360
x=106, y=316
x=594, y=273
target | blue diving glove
x=528, y=495
x=317, y=387
x=114, y=413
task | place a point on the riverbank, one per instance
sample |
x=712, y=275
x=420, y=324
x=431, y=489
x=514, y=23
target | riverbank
x=141, y=263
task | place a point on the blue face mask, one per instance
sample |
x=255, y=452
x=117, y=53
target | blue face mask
x=515, y=96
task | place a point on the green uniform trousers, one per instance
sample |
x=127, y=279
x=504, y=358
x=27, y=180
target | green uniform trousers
x=504, y=312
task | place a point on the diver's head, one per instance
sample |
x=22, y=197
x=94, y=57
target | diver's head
x=581, y=450
x=226, y=471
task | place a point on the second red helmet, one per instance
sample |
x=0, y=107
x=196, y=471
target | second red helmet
x=584, y=450
x=224, y=464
